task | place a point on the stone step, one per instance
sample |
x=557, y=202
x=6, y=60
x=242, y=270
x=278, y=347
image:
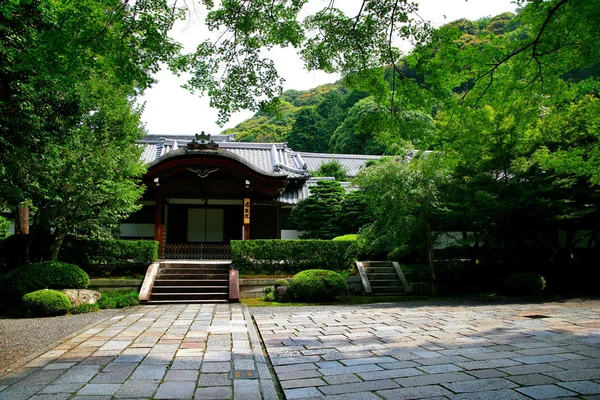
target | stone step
x=378, y=277
x=190, y=289
x=190, y=282
x=186, y=301
x=194, y=270
x=209, y=276
x=387, y=289
x=189, y=296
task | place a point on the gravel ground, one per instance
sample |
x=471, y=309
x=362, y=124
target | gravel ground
x=22, y=338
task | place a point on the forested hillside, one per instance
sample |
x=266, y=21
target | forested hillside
x=356, y=116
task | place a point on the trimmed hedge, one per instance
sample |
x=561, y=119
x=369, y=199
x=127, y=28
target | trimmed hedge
x=318, y=285
x=46, y=275
x=292, y=255
x=46, y=303
x=110, y=257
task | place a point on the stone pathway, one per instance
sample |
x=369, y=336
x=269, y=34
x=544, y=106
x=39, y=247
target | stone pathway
x=498, y=352
x=160, y=352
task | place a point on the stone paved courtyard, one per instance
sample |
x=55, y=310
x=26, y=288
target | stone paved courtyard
x=499, y=352
x=389, y=351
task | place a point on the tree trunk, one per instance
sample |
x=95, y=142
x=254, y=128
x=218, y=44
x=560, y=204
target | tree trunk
x=59, y=237
x=22, y=221
x=431, y=263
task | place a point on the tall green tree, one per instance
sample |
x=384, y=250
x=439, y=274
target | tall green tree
x=68, y=74
x=318, y=215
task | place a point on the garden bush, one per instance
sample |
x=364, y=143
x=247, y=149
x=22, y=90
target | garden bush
x=47, y=275
x=46, y=303
x=110, y=257
x=118, y=299
x=292, y=255
x=281, y=282
x=316, y=285
x=85, y=308
x=525, y=284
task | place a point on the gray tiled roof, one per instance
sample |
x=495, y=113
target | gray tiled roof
x=272, y=158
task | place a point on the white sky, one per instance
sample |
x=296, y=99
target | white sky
x=172, y=110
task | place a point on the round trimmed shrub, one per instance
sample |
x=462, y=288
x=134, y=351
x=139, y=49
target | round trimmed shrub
x=318, y=285
x=46, y=303
x=281, y=282
x=525, y=284
x=47, y=275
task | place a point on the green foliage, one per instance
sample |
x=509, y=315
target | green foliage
x=291, y=255
x=110, y=257
x=46, y=303
x=355, y=212
x=317, y=216
x=47, y=275
x=85, y=308
x=332, y=169
x=525, y=284
x=317, y=285
x=118, y=299
x=68, y=86
x=281, y=282
x=4, y=226
x=351, y=237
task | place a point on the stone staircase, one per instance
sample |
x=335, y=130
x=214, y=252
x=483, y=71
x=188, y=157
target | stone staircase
x=382, y=278
x=188, y=282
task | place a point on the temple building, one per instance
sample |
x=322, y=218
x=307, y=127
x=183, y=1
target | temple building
x=204, y=191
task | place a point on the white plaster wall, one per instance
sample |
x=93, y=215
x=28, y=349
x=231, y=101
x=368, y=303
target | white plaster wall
x=290, y=234
x=137, y=230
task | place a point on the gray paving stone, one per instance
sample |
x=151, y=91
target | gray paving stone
x=480, y=385
x=545, y=391
x=532, y=379
x=267, y=388
x=63, y=388
x=413, y=392
x=20, y=392
x=137, y=389
x=487, y=373
x=175, y=390
x=299, y=383
x=358, y=387
x=214, y=380
x=43, y=377
x=389, y=374
x=294, y=367
x=350, y=370
x=99, y=389
x=309, y=373
x=246, y=389
x=582, y=387
x=442, y=368
x=529, y=369
x=213, y=393
x=488, y=364
x=302, y=393
x=576, y=375
x=216, y=367
x=538, y=359
x=353, y=396
x=344, y=378
x=181, y=375
x=504, y=394
x=149, y=372
x=371, y=360
x=110, y=377
x=433, y=379
x=187, y=363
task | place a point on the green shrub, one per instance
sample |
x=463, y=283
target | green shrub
x=110, y=257
x=85, y=308
x=119, y=299
x=270, y=296
x=525, y=284
x=350, y=236
x=47, y=275
x=46, y=303
x=292, y=255
x=318, y=285
x=281, y=282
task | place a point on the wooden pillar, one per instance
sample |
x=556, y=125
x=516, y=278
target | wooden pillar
x=246, y=229
x=158, y=221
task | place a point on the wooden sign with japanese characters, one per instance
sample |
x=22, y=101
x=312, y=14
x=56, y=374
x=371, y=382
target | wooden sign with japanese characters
x=246, y=211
